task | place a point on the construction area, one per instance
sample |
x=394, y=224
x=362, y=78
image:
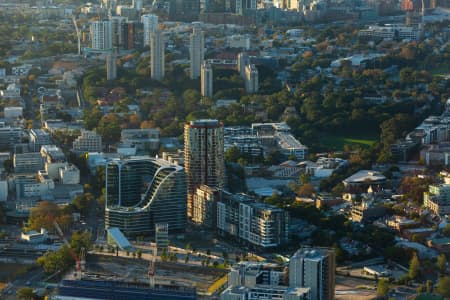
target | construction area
x=166, y=273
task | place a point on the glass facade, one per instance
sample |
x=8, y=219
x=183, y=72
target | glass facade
x=143, y=191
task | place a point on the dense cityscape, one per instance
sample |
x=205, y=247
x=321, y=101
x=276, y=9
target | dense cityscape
x=225, y=149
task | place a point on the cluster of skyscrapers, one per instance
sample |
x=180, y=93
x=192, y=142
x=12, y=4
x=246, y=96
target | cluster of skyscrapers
x=116, y=33
x=107, y=35
x=142, y=192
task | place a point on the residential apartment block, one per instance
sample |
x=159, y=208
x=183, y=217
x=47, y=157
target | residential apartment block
x=88, y=141
x=196, y=52
x=206, y=79
x=28, y=162
x=157, y=59
x=391, y=31
x=257, y=224
x=101, y=35
x=10, y=136
x=437, y=199
x=142, y=139
x=251, y=79
x=263, y=138
x=254, y=281
x=38, y=138
x=314, y=268
x=150, y=24
x=204, y=156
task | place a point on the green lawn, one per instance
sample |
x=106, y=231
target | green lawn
x=440, y=71
x=336, y=142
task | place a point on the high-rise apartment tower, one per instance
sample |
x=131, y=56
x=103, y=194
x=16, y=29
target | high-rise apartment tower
x=204, y=161
x=196, y=51
x=157, y=55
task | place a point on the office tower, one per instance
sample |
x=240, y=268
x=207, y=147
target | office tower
x=203, y=151
x=184, y=10
x=111, y=66
x=207, y=80
x=116, y=30
x=314, y=268
x=88, y=141
x=242, y=61
x=101, y=35
x=251, y=79
x=150, y=23
x=197, y=51
x=144, y=191
x=157, y=55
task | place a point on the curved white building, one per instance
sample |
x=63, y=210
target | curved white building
x=143, y=191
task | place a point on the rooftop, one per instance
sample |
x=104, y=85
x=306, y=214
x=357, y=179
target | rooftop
x=204, y=122
x=118, y=237
x=365, y=176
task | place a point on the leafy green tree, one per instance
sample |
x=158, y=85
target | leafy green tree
x=92, y=117
x=109, y=128
x=60, y=260
x=164, y=255
x=383, y=287
x=26, y=293
x=446, y=230
x=414, y=267
x=43, y=215
x=139, y=253
x=82, y=202
x=80, y=240
x=305, y=190
x=443, y=286
x=441, y=263
x=232, y=154
x=429, y=286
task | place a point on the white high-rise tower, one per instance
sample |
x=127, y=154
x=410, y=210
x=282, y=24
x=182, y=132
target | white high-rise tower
x=207, y=80
x=157, y=55
x=251, y=79
x=150, y=24
x=197, y=51
x=101, y=35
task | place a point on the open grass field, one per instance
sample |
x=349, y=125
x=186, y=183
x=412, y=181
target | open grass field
x=337, y=142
